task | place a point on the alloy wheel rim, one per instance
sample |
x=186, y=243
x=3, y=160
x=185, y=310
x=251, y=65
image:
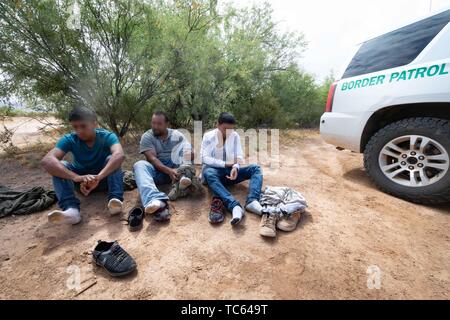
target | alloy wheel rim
x=414, y=161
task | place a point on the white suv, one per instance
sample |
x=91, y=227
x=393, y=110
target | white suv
x=392, y=103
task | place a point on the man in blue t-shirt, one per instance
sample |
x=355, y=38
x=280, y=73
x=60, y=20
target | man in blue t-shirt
x=97, y=159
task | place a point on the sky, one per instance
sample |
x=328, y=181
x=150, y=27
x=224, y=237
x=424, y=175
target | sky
x=334, y=28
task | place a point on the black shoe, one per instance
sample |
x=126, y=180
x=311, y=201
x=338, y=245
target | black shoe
x=113, y=258
x=135, y=219
x=162, y=214
x=217, y=213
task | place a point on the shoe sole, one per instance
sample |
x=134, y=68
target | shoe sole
x=113, y=274
x=162, y=220
x=286, y=229
x=267, y=235
x=216, y=222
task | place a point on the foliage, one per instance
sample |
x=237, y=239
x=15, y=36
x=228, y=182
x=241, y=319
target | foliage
x=127, y=58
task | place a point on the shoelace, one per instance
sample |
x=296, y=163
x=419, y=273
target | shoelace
x=269, y=221
x=119, y=254
x=216, y=206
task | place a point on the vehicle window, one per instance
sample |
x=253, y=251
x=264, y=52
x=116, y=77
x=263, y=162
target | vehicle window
x=396, y=48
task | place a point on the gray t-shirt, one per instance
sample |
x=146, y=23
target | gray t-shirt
x=163, y=148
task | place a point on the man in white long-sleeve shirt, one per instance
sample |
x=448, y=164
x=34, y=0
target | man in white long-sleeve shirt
x=222, y=158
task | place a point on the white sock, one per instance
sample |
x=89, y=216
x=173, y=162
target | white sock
x=254, y=207
x=115, y=206
x=154, y=206
x=238, y=213
x=69, y=216
x=185, y=182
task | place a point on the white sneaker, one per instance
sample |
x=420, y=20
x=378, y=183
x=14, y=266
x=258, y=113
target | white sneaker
x=69, y=216
x=185, y=182
x=154, y=206
x=115, y=206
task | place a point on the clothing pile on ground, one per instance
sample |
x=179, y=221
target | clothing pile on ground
x=282, y=201
x=25, y=202
x=282, y=209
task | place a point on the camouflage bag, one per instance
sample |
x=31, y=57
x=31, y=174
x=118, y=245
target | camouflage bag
x=129, y=182
x=188, y=171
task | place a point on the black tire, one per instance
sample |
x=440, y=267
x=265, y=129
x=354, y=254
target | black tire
x=436, y=129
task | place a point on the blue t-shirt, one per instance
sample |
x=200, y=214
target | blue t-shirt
x=85, y=158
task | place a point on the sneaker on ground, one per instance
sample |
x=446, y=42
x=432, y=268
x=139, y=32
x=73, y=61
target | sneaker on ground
x=116, y=261
x=289, y=224
x=162, y=214
x=135, y=218
x=216, y=214
x=267, y=227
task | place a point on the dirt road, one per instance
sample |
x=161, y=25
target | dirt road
x=349, y=227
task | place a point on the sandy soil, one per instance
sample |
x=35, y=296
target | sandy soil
x=28, y=130
x=349, y=227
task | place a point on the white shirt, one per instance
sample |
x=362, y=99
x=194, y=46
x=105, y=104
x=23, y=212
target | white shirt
x=216, y=155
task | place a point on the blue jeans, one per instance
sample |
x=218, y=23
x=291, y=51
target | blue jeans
x=65, y=189
x=147, y=177
x=217, y=181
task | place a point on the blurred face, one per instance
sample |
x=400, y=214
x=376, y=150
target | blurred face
x=159, y=125
x=226, y=129
x=85, y=130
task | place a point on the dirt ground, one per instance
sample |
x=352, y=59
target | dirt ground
x=348, y=227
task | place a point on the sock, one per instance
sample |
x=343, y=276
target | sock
x=254, y=207
x=185, y=182
x=69, y=216
x=154, y=206
x=115, y=206
x=238, y=213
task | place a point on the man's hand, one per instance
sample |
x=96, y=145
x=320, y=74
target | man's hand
x=87, y=187
x=173, y=174
x=229, y=164
x=233, y=174
x=85, y=179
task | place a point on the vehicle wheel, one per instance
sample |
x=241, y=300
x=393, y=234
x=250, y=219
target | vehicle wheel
x=410, y=159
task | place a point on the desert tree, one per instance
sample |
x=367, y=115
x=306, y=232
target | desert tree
x=114, y=60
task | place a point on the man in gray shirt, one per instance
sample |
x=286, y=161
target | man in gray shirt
x=165, y=150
